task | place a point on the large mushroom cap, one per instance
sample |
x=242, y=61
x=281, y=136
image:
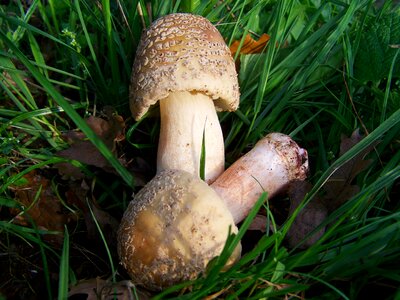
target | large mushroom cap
x=171, y=229
x=182, y=52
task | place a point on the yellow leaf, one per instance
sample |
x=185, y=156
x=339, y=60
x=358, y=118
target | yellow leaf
x=250, y=46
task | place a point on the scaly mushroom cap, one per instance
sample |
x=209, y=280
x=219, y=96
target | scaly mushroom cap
x=171, y=229
x=182, y=52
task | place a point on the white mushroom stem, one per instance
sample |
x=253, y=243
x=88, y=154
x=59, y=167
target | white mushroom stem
x=270, y=166
x=185, y=116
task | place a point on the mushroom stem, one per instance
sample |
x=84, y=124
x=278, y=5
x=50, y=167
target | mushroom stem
x=185, y=116
x=270, y=166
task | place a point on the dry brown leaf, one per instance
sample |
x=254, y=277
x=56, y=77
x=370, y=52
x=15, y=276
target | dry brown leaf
x=339, y=187
x=42, y=206
x=259, y=223
x=110, y=131
x=336, y=191
x=97, y=288
x=308, y=219
x=77, y=195
x=250, y=46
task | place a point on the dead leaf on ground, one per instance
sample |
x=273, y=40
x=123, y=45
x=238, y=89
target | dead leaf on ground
x=42, y=206
x=308, y=219
x=48, y=210
x=250, y=46
x=110, y=130
x=339, y=187
x=78, y=195
x=259, y=223
x=335, y=192
x=97, y=288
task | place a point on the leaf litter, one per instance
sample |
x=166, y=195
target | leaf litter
x=250, y=45
x=336, y=191
x=50, y=204
x=97, y=288
x=111, y=130
x=40, y=204
x=50, y=210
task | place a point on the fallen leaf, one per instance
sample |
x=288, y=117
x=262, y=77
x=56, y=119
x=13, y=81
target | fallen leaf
x=336, y=191
x=250, y=46
x=78, y=195
x=41, y=205
x=97, y=288
x=308, y=219
x=339, y=187
x=110, y=130
x=259, y=223
x=48, y=211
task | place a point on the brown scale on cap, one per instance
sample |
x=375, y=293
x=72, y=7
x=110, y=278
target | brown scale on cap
x=183, y=52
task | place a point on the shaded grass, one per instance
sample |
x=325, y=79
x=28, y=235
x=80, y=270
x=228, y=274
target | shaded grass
x=64, y=269
x=61, y=60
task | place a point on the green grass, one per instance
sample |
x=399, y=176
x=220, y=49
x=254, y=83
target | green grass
x=61, y=61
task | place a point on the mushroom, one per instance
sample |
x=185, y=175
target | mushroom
x=177, y=223
x=172, y=228
x=183, y=62
x=274, y=162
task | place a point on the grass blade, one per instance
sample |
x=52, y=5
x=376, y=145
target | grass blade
x=64, y=268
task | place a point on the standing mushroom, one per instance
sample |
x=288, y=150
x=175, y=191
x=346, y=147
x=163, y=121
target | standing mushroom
x=172, y=228
x=183, y=62
x=274, y=162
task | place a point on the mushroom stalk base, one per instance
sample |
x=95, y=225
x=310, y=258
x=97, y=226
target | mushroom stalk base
x=185, y=116
x=270, y=166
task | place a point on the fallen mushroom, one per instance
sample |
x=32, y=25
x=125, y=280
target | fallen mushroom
x=172, y=228
x=274, y=162
x=183, y=62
